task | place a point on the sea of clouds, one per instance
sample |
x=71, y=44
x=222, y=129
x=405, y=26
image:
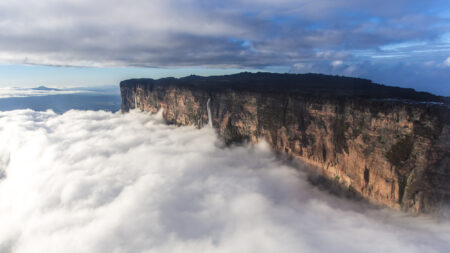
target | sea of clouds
x=94, y=181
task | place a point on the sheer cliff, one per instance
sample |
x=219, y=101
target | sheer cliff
x=388, y=145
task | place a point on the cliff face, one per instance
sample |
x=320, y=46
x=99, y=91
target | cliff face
x=393, y=152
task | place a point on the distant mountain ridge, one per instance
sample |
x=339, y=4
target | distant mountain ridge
x=45, y=88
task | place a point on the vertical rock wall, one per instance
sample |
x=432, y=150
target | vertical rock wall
x=391, y=153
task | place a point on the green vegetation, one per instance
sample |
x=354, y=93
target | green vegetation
x=233, y=135
x=340, y=141
x=400, y=151
x=322, y=125
x=380, y=140
x=358, y=128
x=422, y=130
x=356, y=133
x=368, y=151
x=401, y=188
x=366, y=138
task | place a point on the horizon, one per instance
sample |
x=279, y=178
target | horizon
x=212, y=75
x=404, y=43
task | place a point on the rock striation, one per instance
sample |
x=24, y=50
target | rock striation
x=388, y=145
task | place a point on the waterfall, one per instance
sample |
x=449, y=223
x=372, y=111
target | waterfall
x=209, y=113
x=135, y=100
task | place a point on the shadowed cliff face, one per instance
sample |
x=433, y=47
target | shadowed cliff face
x=388, y=145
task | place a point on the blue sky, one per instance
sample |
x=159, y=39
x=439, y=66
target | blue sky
x=83, y=42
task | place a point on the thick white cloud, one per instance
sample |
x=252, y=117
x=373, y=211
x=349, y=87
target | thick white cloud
x=90, y=181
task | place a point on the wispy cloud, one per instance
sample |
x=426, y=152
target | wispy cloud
x=447, y=62
x=13, y=92
x=91, y=181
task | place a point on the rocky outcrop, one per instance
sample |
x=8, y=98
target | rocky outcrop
x=389, y=145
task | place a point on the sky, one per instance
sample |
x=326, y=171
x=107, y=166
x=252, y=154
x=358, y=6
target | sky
x=67, y=43
x=96, y=181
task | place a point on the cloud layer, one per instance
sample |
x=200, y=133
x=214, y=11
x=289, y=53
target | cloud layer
x=249, y=34
x=89, y=181
x=212, y=33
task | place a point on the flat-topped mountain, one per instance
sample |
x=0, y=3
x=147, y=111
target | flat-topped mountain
x=306, y=84
x=388, y=145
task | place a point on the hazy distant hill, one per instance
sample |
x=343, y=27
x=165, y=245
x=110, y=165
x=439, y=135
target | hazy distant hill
x=45, y=88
